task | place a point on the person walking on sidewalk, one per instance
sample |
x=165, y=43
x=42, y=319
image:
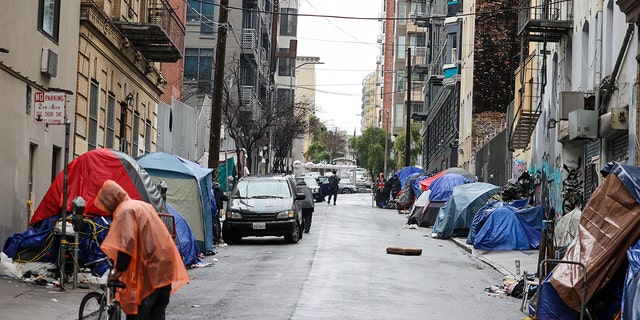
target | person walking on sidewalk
x=333, y=187
x=306, y=204
x=146, y=258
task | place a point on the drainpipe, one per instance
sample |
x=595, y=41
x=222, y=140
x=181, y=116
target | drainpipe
x=608, y=84
x=598, y=66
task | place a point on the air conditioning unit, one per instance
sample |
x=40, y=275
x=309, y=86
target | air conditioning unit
x=570, y=101
x=583, y=124
x=49, y=63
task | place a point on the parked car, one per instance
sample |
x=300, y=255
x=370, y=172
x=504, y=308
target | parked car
x=263, y=206
x=312, y=183
x=342, y=187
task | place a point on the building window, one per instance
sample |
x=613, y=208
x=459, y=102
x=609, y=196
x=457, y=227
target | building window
x=400, y=81
x=202, y=11
x=49, y=18
x=402, y=13
x=289, y=23
x=147, y=136
x=285, y=64
x=94, y=106
x=198, y=66
x=111, y=120
x=136, y=134
x=55, y=162
x=400, y=54
x=398, y=116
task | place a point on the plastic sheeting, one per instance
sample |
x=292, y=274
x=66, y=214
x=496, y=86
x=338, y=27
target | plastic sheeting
x=481, y=217
x=505, y=230
x=567, y=228
x=609, y=225
x=456, y=217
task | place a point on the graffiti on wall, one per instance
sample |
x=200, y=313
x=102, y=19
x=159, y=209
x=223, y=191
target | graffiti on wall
x=547, y=181
x=519, y=166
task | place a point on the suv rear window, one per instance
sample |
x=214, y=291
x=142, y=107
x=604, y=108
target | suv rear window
x=247, y=189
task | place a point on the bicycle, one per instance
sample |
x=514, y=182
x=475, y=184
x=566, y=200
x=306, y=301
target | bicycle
x=102, y=304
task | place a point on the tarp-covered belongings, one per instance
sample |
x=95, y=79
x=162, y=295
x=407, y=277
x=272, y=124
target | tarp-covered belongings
x=408, y=194
x=566, y=228
x=189, y=188
x=505, y=230
x=41, y=243
x=86, y=175
x=456, y=217
x=631, y=294
x=610, y=224
x=482, y=215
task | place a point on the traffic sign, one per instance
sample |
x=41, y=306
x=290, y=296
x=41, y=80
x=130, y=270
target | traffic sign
x=49, y=107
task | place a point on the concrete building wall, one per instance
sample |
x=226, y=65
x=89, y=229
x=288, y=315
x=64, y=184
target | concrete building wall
x=32, y=153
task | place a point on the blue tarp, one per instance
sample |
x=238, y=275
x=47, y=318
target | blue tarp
x=481, y=217
x=629, y=175
x=456, y=217
x=405, y=172
x=505, y=230
x=533, y=216
x=187, y=244
x=442, y=188
x=165, y=166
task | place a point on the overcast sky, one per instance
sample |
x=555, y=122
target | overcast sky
x=348, y=49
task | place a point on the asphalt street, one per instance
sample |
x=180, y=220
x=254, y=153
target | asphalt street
x=340, y=270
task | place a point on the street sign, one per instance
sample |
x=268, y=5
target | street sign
x=49, y=107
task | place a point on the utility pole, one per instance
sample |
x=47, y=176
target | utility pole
x=407, y=146
x=272, y=70
x=218, y=83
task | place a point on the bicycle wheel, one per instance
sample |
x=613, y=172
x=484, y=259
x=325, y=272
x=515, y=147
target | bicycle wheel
x=93, y=306
x=115, y=313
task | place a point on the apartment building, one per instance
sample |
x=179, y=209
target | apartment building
x=39, y=54
x=370, y=112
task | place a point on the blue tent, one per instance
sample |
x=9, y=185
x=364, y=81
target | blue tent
x=189, y=188
x=405, y=172
x=456, y=217
x=505, y=230
x=442, y=188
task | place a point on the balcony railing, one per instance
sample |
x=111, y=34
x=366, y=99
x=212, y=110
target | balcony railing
x=159, y=38
x=545, y=19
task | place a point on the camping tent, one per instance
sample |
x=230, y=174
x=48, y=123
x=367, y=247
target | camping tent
x=505, y=230
x=456, y=217
x=405, y=172
x=86, y=175
x=427, y=182
x=441, y=190
x=187, y=244
x=88, y=172
x=416, y=214
x=189, y=190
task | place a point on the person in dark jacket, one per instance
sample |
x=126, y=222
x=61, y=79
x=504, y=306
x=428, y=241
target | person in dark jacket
x=307, y=205
x=396, y=185
x=333, y=188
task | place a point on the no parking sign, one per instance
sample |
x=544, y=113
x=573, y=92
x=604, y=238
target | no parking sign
x=49, y=107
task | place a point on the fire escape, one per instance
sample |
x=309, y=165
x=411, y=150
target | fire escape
x=159, y=35
x=539, y=22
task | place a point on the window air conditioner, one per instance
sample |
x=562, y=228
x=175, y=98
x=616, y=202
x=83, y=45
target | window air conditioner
x=49, y=63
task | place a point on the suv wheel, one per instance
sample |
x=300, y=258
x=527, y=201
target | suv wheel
x=231, y=238
x=295, y=236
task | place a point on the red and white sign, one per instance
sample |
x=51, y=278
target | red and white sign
x=49, y=107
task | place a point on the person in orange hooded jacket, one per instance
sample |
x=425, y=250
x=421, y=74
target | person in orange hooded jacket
x=146, y=258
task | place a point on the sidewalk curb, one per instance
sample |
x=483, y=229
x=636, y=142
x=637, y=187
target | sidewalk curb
x=469, y=249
